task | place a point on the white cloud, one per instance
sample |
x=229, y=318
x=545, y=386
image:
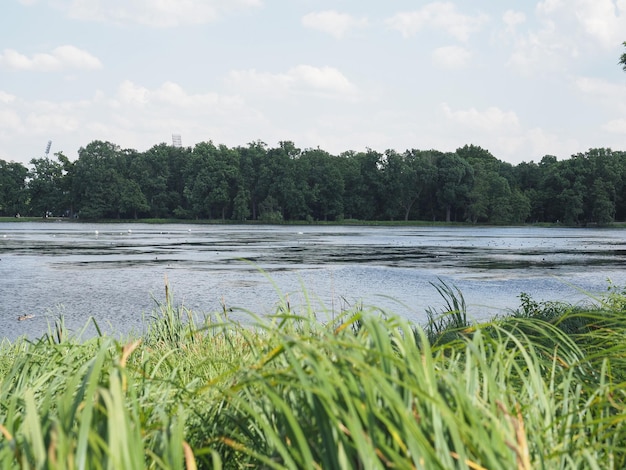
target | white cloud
x=604, y=20
x=565, y=31
x=6, y=97
x=134, y=117
x=322, y=79
x=600, y=87
x=491, y=120
x=438, y=15
x=452, y=57
x=542, y=52
x=170, y=95
x=512, y=19
x=505, y=136
x=549, y=6
x=616, y=126
x=51, y=123
x=325, y=81
x=61, y=58
x=161, y=13
x=173, y=94
x=611, y=95
x=333, y=23
x=9, y=120
x=76, y=58
x=130, y=93
x=542, y=142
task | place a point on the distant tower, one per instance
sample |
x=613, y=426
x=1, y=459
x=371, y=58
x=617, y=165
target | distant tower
x=48, y=148
x=176, y=140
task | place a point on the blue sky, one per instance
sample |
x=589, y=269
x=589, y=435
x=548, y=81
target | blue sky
x=521, y=79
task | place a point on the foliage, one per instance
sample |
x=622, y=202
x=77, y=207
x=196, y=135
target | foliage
x=286, y=391
x=447, y=324
x=284, y=183
x=13, y=193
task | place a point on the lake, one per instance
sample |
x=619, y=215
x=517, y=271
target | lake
x=116, y=272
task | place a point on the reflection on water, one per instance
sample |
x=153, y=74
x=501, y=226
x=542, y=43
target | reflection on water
x=115, y=272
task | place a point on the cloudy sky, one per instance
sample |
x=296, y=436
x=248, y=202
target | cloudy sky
x=521, y=79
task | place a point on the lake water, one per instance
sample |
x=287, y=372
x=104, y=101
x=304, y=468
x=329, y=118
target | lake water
x=116, y=272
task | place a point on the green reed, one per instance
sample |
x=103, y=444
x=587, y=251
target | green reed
x=543, y=387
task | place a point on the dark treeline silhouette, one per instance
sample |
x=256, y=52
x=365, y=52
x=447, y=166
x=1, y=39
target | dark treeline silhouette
x=285, y=183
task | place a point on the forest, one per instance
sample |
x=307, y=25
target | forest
x=284, y=183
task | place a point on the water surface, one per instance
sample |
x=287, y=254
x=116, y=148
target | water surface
x=116, y=272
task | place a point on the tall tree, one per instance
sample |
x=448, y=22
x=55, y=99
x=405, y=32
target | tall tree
x=455, y=178
x=93, y=171
x=622, y=59
x=13, y=192
x=552, y=183
x=406, y=176
x=45, y=187
x=151, y=171
x=370, y=186
x=66, y=183
x=251, y=160
x=494, y=195
x=213, y=180
x=102, y=186
x=282, y=187
x=324, y=184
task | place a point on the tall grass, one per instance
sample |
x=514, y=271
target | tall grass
x=446, y=324
x=531, y=390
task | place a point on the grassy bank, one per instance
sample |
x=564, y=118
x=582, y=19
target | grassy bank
x=345, y=222
x=399, y=223
x=540, y=388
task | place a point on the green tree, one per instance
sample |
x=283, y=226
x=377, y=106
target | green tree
x=406, y=176
x=520, y=206
x=349, y=167
x=179, y=159
x=553, y=181
x=571, y=200
x=455, y=178
x=241, y=204
x=622, y=59
x=93, y=179
x=493, y=200
x=527, y=177
x=324, y=184
x=494, y=196
x=226, y=180
x=13, y=190
x=66, y=183
x=45, y=187
x=367, y=185
x=282, y=184
x=102, y=187
x=151, y=171
x=595, y=177
x=603, y=210
x=213, y=179
x=500, y=195
x=253, y=191
x=131, y=200
x=196, y=193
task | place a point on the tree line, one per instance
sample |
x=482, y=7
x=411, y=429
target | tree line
x=285, y=183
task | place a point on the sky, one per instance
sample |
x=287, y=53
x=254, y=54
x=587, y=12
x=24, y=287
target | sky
x=522, y=79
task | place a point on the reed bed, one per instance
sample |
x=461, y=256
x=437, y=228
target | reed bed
x=541, y=388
